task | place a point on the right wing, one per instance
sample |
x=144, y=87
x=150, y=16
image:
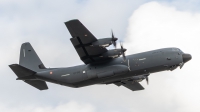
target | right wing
x=82, y=40
x=134, y=86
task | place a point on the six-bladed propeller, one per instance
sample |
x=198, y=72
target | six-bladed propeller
x=113, y=40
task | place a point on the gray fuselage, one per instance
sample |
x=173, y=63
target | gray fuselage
x=115, y=69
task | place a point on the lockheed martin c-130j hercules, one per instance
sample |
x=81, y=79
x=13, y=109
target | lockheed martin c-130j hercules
x=102, y=66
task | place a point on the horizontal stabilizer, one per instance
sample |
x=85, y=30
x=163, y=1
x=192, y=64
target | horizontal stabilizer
x=27, y=76
x=21, y=71
x=41, y=85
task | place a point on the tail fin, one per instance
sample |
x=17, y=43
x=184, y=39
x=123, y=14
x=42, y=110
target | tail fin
x=29, y=65
x=28, y=76
x=29, y=58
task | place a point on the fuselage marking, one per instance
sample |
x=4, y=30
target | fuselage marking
x=65, y=75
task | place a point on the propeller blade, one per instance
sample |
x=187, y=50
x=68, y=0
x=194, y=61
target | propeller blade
x=114, y=44
x=124, y=57
x=147, y=80
x=112, y=34
x=113, y=40
x=123, y=51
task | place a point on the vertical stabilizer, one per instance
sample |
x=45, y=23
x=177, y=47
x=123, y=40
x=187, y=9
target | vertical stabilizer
x=29, y=58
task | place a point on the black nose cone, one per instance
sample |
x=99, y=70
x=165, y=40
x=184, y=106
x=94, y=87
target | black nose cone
x=186, y=57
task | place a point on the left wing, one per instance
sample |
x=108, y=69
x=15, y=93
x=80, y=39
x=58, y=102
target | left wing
x=134, y=86
x=82, y=39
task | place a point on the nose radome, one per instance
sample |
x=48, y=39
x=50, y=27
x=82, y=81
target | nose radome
x=186, y=57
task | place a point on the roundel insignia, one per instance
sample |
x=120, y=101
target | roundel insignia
x=50, y=72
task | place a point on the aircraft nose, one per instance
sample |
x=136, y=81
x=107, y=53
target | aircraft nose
x=186, y=57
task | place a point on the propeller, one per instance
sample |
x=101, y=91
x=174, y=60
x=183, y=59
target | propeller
x=113, y=40
x=147, y=78
x=123, y=51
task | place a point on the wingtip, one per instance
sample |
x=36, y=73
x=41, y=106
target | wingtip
x=26, y=43
x=43, y=89
x=71, y=20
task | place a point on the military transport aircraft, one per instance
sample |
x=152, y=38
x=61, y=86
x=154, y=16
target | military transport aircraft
x=102, y=66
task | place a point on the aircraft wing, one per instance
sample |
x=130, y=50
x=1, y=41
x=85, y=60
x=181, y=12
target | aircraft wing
x=134, y=86
x=82, y=40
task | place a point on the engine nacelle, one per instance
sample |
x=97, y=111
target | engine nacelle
x=112, y=53
x=105, y=42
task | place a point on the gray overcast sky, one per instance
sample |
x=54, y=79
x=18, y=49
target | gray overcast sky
x=141, y=24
